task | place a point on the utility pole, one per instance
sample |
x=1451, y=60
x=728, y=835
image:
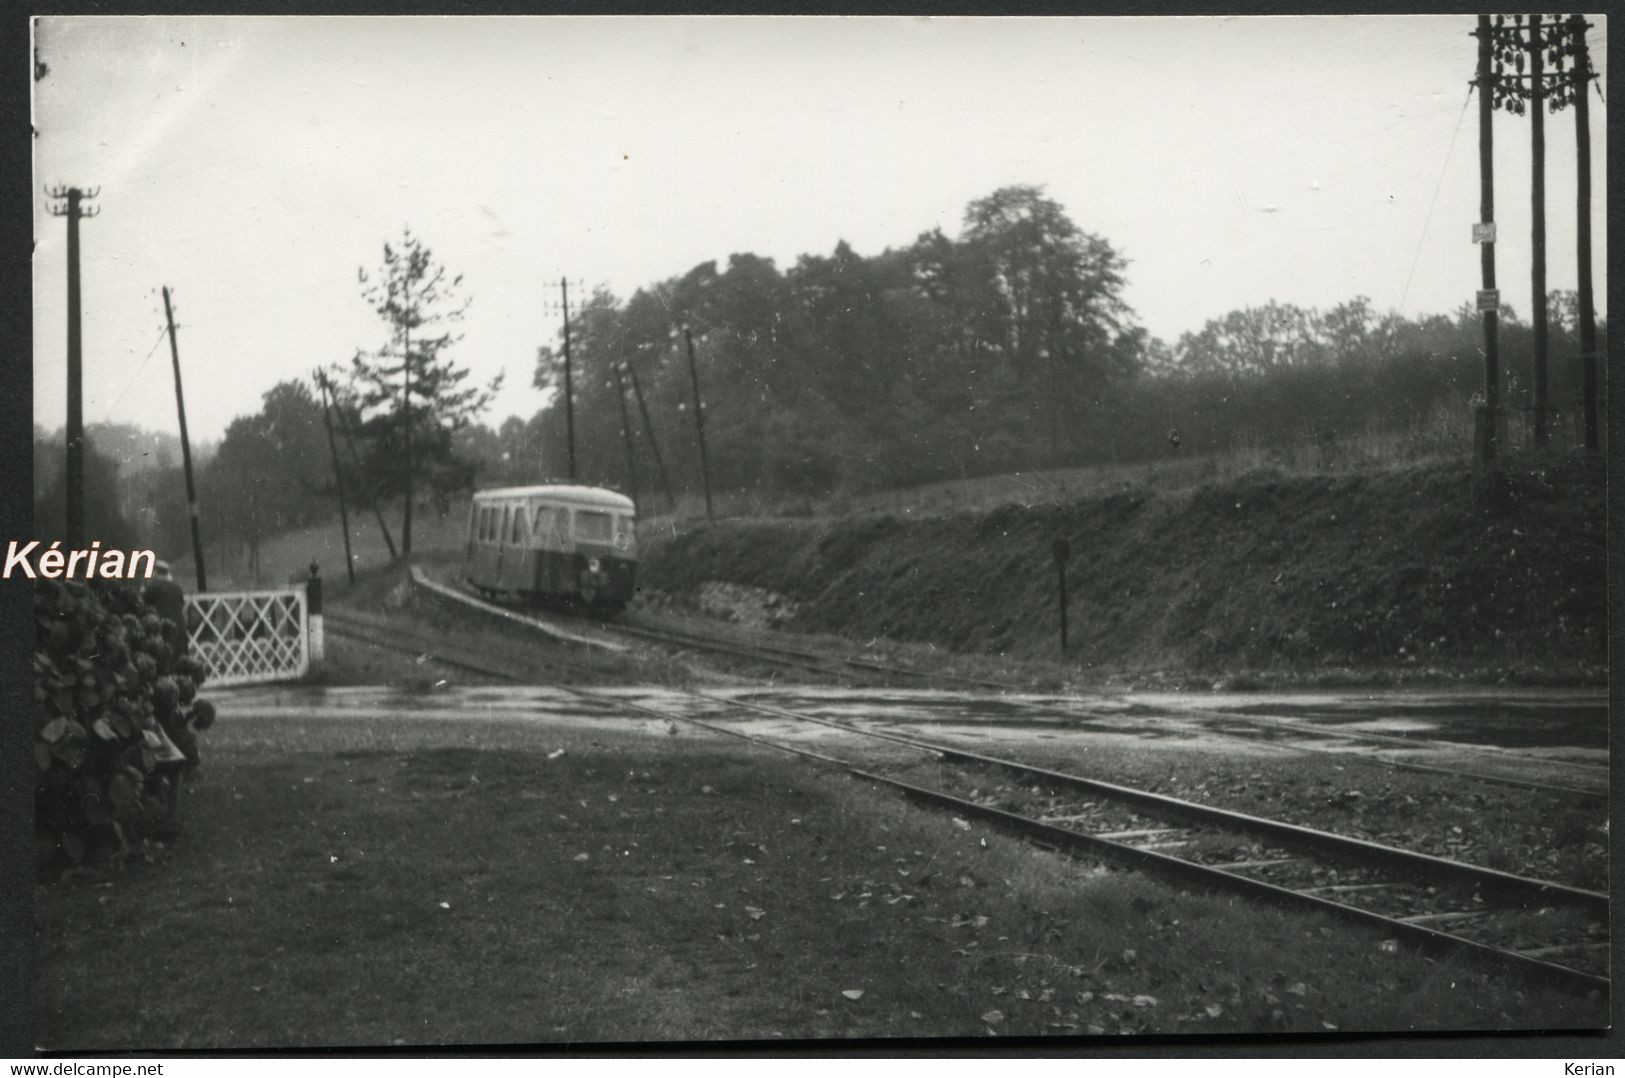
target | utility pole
x=71, y=206
x=355, y=458
x=1518, y=91
x=626, y=436
x=406, y=409
x=186, y=448
x=648, y=428
x=699, y=421
x=1537, y=207
x=1582, y=156
x=338, y=476
x=569, y=393
x=1488, y=298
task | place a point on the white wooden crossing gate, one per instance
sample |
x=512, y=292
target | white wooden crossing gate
x=250, y=636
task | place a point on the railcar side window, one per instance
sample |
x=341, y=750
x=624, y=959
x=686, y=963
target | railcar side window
x=592, y=526
x=518, y=535
x=485, y=523
x=506, y=511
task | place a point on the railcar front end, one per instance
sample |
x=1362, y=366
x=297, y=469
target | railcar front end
x=554, y=542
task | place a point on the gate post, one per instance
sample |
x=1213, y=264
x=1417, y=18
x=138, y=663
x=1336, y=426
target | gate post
x=313, y=613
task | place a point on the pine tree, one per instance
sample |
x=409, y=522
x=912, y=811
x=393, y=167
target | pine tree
x=412, y=396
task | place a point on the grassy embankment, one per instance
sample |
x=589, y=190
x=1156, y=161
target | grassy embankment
x=1424, y=570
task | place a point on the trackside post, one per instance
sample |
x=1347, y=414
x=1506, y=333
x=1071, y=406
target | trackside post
x=313, y=614
x=1062, y=550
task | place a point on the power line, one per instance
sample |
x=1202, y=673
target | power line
x=1445, y=167
x=131, y=383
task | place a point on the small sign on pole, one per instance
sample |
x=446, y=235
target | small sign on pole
x=1489, y=299
x=1484, y=232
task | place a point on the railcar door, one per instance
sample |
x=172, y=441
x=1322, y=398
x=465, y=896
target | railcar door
x=485, y=552
x=549, y=571
x=516, y=572
x=503, y=519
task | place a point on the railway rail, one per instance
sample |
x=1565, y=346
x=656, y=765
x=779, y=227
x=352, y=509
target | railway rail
x=797, y=658
x=1596, y=774
x=1528, y=927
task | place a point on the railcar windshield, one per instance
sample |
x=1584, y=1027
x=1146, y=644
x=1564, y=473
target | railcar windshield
x=593, y=527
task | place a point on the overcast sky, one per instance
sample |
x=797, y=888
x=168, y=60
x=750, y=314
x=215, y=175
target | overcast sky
x=254, y=164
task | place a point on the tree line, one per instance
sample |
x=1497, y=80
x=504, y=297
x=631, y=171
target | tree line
x=1008, y=347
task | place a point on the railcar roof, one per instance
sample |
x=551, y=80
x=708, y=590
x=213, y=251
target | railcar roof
x=563, y=492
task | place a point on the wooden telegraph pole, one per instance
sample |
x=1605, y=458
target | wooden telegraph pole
x=569, y=393
x=186, y=448
x=1507, y=47
x=1488, y=297
x=626, y=436
x=1537, y=207
x=355, y=458
x=406, y=413
x=338, y=477
x=648, y=428
x=1580, y=91
x=699, y=421
x=71, y=204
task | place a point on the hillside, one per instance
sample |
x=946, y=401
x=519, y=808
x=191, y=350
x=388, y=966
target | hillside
x=1434, y=569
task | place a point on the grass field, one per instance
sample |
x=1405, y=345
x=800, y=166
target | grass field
x=287, y=556
x=486, y=881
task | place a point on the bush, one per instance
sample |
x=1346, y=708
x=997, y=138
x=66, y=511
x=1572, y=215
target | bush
x=108, y=690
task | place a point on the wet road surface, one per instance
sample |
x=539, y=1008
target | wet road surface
x=1556, y=736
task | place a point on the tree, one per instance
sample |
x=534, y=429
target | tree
x=1048, y=297
x=1252, y=341
x=416, y=396
x=104, y=519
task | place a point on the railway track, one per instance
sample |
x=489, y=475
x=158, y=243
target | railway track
x=1531, y=928
x=774, y=654
x=797, y=658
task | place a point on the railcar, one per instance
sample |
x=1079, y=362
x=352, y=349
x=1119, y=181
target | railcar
x=555, y=542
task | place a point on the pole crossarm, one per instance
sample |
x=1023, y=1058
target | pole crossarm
x=1560, y=42
x=71, y=201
